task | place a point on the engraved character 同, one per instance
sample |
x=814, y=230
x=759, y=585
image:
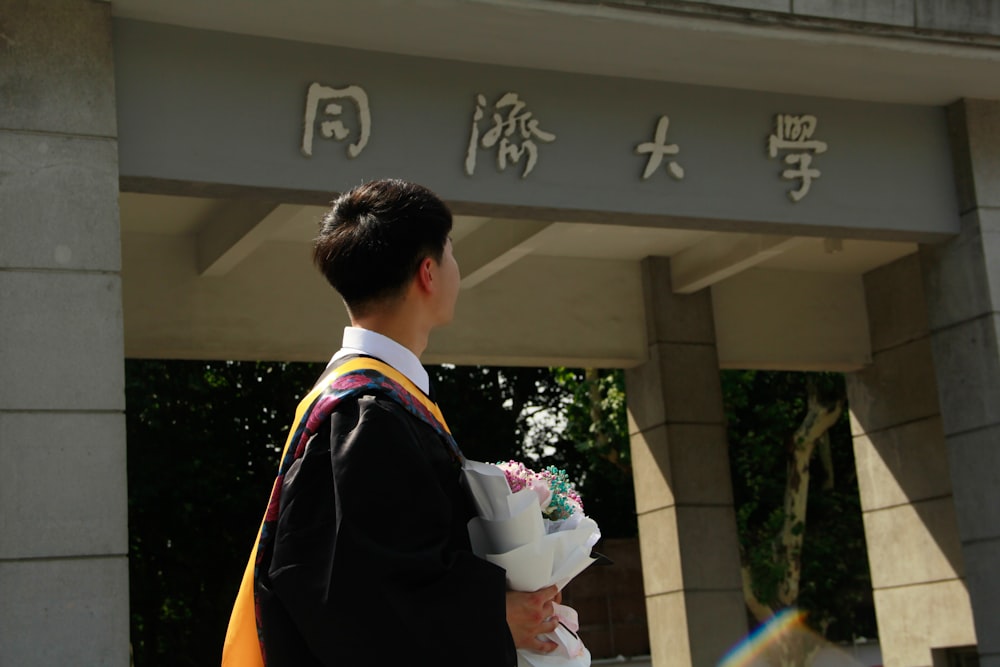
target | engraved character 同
x=334, y=128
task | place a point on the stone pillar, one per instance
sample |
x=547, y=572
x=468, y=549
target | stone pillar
x=914, y=552
x=962, y=279
x=63, y=500
x=687, y=527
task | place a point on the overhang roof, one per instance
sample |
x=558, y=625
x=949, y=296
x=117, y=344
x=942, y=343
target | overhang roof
x=713, y=47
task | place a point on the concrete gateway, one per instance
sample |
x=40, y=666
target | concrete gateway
x=672, y=187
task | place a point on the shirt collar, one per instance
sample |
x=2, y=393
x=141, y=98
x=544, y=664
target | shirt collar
x=370, y=343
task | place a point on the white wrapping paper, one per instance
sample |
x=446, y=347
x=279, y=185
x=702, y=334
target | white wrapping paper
x=535, y=552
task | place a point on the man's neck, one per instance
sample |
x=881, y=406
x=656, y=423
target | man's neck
x=398, y=328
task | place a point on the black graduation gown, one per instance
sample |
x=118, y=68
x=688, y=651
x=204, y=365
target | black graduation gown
x=371, y=562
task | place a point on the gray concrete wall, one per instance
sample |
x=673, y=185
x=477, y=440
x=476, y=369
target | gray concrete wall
x=683, y=493
x=63, y=509
x=914, y=552
x=927, y=424
x=230, y=109
x=963, y=297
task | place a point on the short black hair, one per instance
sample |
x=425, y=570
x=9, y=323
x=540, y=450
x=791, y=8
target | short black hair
x=372, y=241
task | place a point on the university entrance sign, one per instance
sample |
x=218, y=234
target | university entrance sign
x=265, y=113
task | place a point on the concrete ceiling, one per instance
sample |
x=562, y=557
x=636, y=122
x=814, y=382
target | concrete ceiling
x=217, y=278
x=702, y=251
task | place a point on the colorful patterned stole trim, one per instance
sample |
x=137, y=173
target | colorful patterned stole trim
x=360, y=376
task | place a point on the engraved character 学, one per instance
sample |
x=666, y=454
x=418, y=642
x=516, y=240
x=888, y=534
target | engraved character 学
x=794, y=133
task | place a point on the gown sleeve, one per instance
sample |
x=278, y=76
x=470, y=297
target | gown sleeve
x=371, y=562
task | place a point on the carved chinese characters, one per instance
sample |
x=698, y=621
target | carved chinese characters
x=335, y=129
x=507, y=128
x=657, y=148
x=513, y=134
x=794, y=133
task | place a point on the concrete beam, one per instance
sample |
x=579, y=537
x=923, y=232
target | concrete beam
x=495, y=246
x=791, y=320
x=236, y=231
x=722, y=256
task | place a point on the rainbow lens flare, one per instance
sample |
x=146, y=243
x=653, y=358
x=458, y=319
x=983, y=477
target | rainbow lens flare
x=785, y=639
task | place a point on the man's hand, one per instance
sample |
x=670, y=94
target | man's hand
x=530, y=615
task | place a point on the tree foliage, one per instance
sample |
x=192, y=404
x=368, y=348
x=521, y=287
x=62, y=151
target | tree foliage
x=765, y=411
x=203, y=439
x=570, y=418
x=594, y=434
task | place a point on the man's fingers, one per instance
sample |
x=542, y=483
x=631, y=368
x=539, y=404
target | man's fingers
x=547, y=594
x=541, y=645
x=549, y=626
x=530, y=615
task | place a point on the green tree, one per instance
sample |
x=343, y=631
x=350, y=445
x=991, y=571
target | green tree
x=595, y=436
x=801, y=543
x=203, y=439
x=486, y=407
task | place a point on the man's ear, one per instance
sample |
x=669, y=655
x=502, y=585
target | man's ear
x=425, y=275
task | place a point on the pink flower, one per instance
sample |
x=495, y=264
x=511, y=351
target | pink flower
x=557, y=496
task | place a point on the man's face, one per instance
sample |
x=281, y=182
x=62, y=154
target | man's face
x=450, y=278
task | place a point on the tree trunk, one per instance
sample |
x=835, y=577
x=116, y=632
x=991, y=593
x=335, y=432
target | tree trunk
x=760, y=610
x=826, y=459
x=592, y=377
x=820, y=417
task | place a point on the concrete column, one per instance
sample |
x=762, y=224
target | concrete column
x=63, y=500
x=914, y=552
x=687, y=527
x=962, y=279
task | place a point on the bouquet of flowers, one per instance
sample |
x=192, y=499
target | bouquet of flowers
x=557, y=496
x=532, y=524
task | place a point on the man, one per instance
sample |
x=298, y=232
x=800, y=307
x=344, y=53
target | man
x=363, y=557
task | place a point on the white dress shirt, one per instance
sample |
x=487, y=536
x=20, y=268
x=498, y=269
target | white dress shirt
x=372, y=344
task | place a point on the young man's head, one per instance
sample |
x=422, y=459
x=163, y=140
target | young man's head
x=375, y=239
